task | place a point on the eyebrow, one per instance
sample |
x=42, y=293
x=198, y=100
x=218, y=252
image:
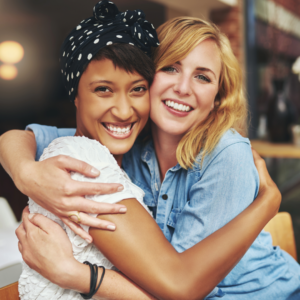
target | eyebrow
x=201, y=69
x=110, y=82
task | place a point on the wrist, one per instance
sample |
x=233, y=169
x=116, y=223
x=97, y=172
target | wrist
x=23, y=173
x=73, y=275
x=271, y=199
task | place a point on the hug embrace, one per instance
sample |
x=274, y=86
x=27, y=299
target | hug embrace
x=179, y=205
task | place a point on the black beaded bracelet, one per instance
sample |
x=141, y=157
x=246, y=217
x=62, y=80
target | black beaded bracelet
x=93, y=282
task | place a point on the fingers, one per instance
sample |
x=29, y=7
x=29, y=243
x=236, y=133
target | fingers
x=75, y=165
x=90, y=206
x=25, y=218
x=85, y=219
x=90, y=188
x=78, y=230
x=20, y=247
x=20, y=232
x=256, y=157
x=39, y=221
x=93, y=222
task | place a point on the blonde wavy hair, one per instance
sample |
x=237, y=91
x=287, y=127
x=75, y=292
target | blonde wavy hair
x=178, y=37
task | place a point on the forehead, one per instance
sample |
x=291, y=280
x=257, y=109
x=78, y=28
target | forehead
x=106, y=70
x=207, y=53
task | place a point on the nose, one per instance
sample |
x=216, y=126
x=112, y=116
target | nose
x=122, y=110
x=183, y=86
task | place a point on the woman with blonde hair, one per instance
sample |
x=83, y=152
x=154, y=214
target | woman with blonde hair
x=197, y=173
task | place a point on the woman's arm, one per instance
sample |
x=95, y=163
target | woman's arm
x=49, y=182
x=152, y=262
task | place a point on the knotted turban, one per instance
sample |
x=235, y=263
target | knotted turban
x=107, y=26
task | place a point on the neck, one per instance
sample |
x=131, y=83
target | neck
x=165, y=146
x=118, y=157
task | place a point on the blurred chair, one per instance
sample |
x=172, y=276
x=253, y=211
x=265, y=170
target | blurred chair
x=282, y=232
x=7, y=217
x=10, y=292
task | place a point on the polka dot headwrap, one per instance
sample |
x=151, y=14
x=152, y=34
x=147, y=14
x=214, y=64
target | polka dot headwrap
x=105, y=27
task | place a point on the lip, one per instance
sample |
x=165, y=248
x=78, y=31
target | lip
x=176, y=112
x=117, y=136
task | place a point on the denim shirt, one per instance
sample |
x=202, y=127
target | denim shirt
x=189, y=205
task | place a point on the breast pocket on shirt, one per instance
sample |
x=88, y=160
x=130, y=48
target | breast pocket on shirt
x=172, y=220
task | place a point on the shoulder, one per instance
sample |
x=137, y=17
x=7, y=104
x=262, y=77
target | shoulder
x=44, y=135
x=79, y=147
x=231, y=149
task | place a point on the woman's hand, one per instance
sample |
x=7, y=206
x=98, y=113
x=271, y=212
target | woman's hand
x=50, y=185
x=267, y=185
x=45, y=247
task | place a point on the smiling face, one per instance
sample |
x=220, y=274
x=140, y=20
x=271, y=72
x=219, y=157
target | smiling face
x=112, y=106
x=182, y=95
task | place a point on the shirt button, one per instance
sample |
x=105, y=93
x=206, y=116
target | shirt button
x=165, y=196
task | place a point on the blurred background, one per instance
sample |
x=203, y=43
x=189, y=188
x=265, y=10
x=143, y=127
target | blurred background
x=264, y=35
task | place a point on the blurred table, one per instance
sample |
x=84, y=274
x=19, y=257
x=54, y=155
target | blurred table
x=267, y=149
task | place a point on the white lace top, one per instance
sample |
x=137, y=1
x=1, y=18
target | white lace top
x=31, y=284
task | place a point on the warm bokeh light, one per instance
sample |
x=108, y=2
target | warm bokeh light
x=8, y=72
x=11, y=52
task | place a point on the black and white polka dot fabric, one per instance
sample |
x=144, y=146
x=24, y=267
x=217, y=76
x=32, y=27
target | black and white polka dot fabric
x=107, y=26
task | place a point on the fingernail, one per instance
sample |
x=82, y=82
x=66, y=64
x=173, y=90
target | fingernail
x=30, y=216
x=88, y=240
x=111, y=227
x=94, y=171
x=120, y=188
x=123, y=209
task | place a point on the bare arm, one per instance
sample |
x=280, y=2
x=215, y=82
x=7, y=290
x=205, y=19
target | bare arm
x=49, y=182
x=154, y=264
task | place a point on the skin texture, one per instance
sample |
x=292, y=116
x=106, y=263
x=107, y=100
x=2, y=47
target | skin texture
x=193, y=81
x=110, y=95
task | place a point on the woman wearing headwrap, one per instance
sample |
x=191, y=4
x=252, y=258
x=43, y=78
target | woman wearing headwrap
x=107, y=72
x=146, y=256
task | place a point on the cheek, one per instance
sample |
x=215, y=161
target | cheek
x=144, y=109
x=206, y=97
x=158, y=84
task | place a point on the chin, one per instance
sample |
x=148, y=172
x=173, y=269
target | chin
x=119, y=149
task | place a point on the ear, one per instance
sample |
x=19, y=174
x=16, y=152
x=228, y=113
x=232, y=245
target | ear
x=216, y=102
x=76, y=102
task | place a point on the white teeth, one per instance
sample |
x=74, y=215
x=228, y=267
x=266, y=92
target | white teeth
x=118, y=130
x=177, y=106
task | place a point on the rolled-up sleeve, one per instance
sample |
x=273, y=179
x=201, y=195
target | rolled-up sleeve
x=228, y=183
x=44, y=135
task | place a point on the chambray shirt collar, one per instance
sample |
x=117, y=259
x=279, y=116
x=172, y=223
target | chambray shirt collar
x=149, y=157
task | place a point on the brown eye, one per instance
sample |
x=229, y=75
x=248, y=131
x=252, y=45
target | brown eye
x=103, y=89
x=140, y=89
